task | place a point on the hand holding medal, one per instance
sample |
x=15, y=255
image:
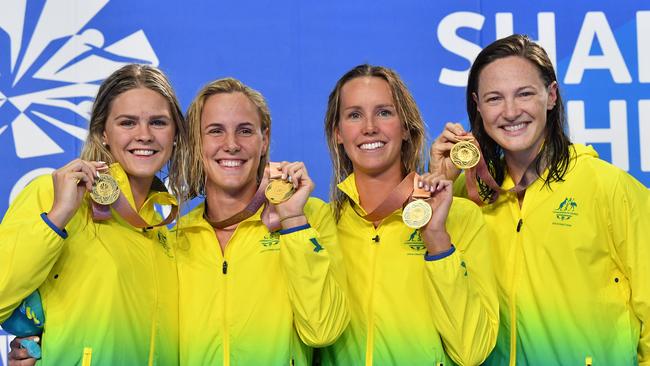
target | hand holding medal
x=288, y=189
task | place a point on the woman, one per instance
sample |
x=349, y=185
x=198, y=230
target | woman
x=572, y=229
x=415, y=298
x=251, y=295
x=109, y=290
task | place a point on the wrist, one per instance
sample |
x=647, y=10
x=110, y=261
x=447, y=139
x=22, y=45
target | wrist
x=437, y=242
x=290, y=221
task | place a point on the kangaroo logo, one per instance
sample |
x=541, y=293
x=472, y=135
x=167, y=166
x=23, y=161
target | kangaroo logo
x=566, y=210
x=415, y=243
x=52, y=70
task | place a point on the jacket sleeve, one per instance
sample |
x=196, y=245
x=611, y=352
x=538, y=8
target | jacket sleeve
x=313, y=265
x=462, y=289
x=29, y=245
x=630, y=227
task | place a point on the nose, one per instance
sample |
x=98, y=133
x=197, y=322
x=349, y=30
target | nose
x=231, y=144
x=144, y=133
x=369, y=126
x=512, y=110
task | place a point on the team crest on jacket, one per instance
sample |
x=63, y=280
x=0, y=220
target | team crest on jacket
x=415, y=244
x=162, y=239
x=566, y=210
x=270, y=241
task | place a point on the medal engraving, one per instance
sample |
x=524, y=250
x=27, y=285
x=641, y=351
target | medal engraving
x=278, y=191
x=416, y=214
x=465, y=155
x=105, y=191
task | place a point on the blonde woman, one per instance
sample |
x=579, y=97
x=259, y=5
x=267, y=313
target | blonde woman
x=417, y=296
x=109, y=290
x=252, y=293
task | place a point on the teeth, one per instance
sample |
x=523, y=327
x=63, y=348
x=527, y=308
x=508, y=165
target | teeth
x=372, y=145
x=511, y=128
x=143, y=152
x=230, y=163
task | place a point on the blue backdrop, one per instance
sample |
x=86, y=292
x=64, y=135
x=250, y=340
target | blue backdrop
x=54, y=53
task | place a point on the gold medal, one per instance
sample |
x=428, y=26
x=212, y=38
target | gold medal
x=105, y=191
x=416, y=214
x=465, y=155
x=279, y=191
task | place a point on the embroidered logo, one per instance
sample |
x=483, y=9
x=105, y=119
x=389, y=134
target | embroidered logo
x=565, y=211
x=415, y=244
x=162, y=239
x=270, y=241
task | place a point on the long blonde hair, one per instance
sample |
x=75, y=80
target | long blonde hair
x=407, y=110
x=227, y=85
x=130, y=77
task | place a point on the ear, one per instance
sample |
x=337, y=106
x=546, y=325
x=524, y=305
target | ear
x=337, y=133
x=552, y=96
x=104, y=138
x=265, y=141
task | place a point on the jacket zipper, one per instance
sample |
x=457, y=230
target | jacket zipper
x=371, y=315
x=513, y=297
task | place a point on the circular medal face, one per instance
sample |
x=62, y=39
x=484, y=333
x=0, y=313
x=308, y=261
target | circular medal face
x=105, y=191
x=465, y=155
x=278, y=191
x=416, y=214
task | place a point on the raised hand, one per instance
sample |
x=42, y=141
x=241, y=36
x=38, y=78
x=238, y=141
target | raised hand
x=70, y=184
x=291, y=211
x=440, y=162
x=434, y=233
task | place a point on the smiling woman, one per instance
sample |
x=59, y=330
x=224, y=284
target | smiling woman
x=260, y=283
x=109, y=289
x=415, y=298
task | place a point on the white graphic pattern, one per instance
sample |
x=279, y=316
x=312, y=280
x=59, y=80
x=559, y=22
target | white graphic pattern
x=79, y=62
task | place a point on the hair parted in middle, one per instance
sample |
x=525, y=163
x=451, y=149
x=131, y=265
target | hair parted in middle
x=197, y=177
x=128, y=77
x=408, y=113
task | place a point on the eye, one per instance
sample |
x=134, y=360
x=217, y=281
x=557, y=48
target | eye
x=215, y=131
x=385, y=113
x=127, y=123
x=526, y=94
x=493, y=99
x=354, y=115
x=246, y=131
x=159, y=122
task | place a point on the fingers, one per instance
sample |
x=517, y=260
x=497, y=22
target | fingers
x=19, y=355
x=434, y=182
x=295, y=172
x=80, y=171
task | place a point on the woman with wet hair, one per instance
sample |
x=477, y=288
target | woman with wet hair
x=571, y=229
x=417, y=295
x=108, y=284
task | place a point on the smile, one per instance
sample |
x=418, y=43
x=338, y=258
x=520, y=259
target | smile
x=142, y=152
x=230, y=163
x=372, y=145
x=513, y=128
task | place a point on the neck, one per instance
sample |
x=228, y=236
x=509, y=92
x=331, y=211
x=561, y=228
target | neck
x=518, y=163
x=374, y=188
x=222, y=204
x=140, y=188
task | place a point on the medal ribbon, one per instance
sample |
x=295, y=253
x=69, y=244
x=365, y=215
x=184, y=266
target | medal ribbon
x=124, y=209
x=270, y=218
x=395, y=199
x=481, y=170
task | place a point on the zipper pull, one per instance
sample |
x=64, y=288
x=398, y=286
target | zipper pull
x=224, y=267
x=519, y=225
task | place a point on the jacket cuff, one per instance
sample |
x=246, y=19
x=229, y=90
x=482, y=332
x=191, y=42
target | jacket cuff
x=62, y=233
x=439, y=256
x=294, y=229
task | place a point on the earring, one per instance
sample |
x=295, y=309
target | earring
x=174, y=143
x=104, y=143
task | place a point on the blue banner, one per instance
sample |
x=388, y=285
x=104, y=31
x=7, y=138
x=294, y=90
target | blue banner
x=54, y=54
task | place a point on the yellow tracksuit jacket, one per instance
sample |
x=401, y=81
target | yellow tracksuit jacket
x=408, y=310
x=573, y=268
x=267, y=299
x=106, y=287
